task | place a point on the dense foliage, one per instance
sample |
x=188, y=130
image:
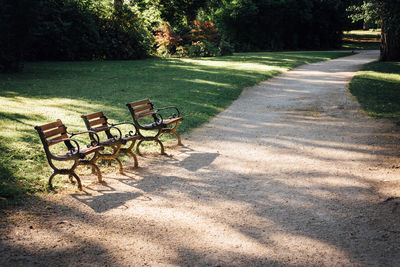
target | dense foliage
x=289, y=24
x=69, y=30
x=117, y=29
x=366, y=12
x=201, y=39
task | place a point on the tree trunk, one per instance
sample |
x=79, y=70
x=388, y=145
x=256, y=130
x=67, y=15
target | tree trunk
x=390, y=47
x=390, y=32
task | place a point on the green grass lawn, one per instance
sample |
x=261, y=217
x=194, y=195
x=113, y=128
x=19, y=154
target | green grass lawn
x=47, y=91
x=361, y=40
x=377, y=89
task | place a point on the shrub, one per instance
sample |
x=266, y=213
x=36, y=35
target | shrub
x=123, y=37
x=66, y=30
x=203, y=31
x=200, y=40
x=202, y=49
x=69, y=30
x=167, y=40
x=225, y=48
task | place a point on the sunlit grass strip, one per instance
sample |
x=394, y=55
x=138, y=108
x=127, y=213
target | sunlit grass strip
x=47, y=91
x=361, y=39
x=377, y=88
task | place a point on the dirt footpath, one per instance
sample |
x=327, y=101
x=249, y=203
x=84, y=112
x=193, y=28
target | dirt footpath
x=291, y=174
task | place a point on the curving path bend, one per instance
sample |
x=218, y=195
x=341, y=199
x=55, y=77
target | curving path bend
x=291, y=174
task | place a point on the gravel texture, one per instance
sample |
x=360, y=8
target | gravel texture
x=291, y=174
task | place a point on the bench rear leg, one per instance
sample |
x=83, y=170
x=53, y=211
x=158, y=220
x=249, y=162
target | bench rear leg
x=121, y=168
x=70, y=178
x=51, y=180
x=129, y=151
x=96, y=170
x=173, y=131
x=161, y=145
x=134, y=158
x=78, y=180
x=155, y=140
x=177, y=137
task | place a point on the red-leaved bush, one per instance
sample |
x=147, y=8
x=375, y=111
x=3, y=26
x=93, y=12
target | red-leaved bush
x=203, y=31
x=167, y=41
x=202, y=40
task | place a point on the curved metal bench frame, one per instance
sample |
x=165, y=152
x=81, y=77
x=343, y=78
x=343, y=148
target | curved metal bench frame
x=56, y=132
x=145, y=108
x=98, y=122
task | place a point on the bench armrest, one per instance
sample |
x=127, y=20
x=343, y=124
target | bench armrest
x=119, y=131
x=157, y=124
x=174, y=115
x=130, y=133
x=92, y=133
x=74, y=151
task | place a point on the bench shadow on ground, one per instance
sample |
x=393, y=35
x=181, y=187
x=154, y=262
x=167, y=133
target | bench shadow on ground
x=104, y=197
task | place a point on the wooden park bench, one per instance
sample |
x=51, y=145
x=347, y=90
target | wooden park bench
x=144, y=108
x=56, y=132
x=98, y=122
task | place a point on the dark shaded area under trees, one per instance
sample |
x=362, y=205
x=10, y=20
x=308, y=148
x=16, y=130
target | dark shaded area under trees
x=290, y=24
x=111, y=29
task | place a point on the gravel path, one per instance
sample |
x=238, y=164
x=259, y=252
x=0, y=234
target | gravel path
x=291, y=174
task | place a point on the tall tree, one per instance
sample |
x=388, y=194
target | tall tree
x=388, y=12
x=390, y=34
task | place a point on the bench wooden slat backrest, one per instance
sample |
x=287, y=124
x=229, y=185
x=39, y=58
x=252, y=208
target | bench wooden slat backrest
x=54, y=132
x=97, y=122
x=141, y=109
x=51, y=134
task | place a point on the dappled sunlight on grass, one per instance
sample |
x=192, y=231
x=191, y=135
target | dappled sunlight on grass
x=361, y=39
x=236, y=65
x=47, y=91
x=209, y=82
x=377, y=88
x=387, y=77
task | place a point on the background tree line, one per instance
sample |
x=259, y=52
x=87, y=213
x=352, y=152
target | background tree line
x=117, y=29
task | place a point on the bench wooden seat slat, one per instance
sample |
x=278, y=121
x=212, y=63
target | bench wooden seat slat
x=99, y=129
x=84, y=151
x=170, y=121
x=130, y=138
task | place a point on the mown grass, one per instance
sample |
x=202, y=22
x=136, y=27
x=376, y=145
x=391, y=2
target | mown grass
x=377, y=89
x=361, y=40
x=47, y=91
